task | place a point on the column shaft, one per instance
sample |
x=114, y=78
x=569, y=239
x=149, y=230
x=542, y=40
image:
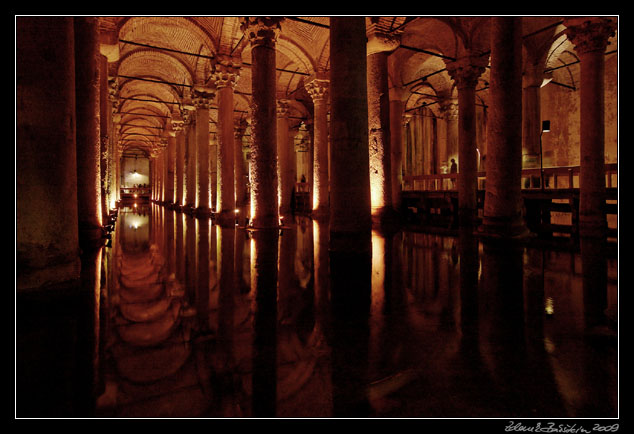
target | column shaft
x=503, y=197
x=47, y=249
x=225, y=209
x=264, y=204
x=239, y=170
x=350, y=216
x=285, y=189
x=202, y=159
x=180, y=166
x=397, y=107
x=190, y=190
x=88, y=130
x=379, y=134
x=170, y=154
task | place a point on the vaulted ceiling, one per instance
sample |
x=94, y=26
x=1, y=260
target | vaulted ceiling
x=156, y=60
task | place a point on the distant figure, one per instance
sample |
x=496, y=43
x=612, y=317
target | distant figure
x=303, y=179
x=454, y=166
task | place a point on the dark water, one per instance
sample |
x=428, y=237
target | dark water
x=201, y=321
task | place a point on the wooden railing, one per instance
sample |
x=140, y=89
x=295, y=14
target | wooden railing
x=554, y=178
x=135, y=192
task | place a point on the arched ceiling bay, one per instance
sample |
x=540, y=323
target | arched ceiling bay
x=161, y=58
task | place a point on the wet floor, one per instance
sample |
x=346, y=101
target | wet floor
x=203, y=321
x=188, y=319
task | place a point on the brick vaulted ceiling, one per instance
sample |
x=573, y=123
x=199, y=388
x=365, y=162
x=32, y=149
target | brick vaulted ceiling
x=160, y=58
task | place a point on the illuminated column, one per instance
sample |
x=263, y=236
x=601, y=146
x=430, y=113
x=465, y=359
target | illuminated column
x=262, y=34
x=379, y=46
x=104, y=128
x=202, y=98
x=113, y=156
x=284, y=148
x=449, y=109
x=317, y=88
x=590, y=37
x=465, y=73
x=503, y=197
x=178, y=126
x=350, y=218
x=190, y=158
x=397, y=106
x=532, y=80
x=239, y=167
x=47, y=250
x=88, y=130
x=226, y=75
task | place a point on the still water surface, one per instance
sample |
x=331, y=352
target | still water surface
x=203, y=321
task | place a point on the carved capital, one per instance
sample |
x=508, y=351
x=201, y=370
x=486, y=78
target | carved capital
x=227, y=71
x=450, y=109
x=261, y=31
x=282, y=108
x=466, y=70
x=202, y=97
x=590, y=34
x=379, y=41
x=178, y=125
x=317, y=88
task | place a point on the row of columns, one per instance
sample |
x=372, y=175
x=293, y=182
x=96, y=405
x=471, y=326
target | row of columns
x=66, y=153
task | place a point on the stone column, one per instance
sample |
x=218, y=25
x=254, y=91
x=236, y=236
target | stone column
x=178, y=126
x=262, y=34
x=503, y=197
x=317, y=88
x=104, y=129
x=47, y=249
x=175, y=127
x=239, y=168
x=590, y=37
x=202, y=99
x=379, y=46
x=190, y=158
x=88, y=131
x=397, y=108
x=225, y=77
x=350, y=218
x=465, y=72
x=284, y=148
x=449, y=109
x=531, y=114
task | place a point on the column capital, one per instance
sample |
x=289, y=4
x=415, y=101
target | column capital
x=466, y=70
x=380, y=41
x=226, y=71
x=449, y=107
x=283, y=108
x=261, y=31
x=590, y=33
x=178, y=124
x=317, y=88
x=399, y=93
x=202, y=97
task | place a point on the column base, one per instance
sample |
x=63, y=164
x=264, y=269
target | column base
x=503, y=228
x=267, y=222
x=385, y=218
x=592, y=228
x=203, y=212
x=321, y=213
x=226, y=218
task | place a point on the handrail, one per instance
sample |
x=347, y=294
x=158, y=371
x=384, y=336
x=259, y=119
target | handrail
x=437, y=182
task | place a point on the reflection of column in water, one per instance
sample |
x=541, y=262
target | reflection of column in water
x=88, y=349
x=242, y=284
x=594, y=269
x=286, y=277
x=469, y=265
x=190, y=258
x=179, y=253
x=502, y=304
x=264, y=284
x=227, y=289
x=351, y=292
x=202, y=274
x=320, y=261
x=169, y=240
